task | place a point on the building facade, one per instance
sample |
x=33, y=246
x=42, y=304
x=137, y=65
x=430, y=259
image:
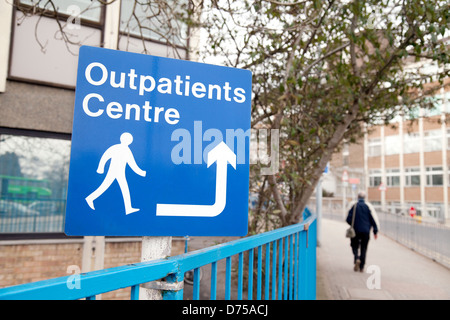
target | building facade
x=39, y=44
x=406, y=165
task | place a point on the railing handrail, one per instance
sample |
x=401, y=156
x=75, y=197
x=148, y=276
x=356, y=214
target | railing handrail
x=204, y=256
x=101, y=281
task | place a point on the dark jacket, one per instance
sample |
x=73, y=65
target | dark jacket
x=363, y=219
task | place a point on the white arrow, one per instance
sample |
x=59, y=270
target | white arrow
x=222, y=155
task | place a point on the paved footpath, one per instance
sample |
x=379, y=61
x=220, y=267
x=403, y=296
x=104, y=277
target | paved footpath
x=392, y=272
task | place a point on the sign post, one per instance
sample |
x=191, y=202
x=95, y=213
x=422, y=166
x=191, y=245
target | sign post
x=160, y=148
x=154, y=248
x=412, y=212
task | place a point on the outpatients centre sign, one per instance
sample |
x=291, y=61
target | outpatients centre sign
x=159, y=147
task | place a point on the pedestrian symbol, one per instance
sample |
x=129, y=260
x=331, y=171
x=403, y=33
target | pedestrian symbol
x=120, y=156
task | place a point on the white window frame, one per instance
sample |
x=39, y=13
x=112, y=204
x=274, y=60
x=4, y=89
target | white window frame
x=393, y=175
x=448, y=138
x=409, y=173
x=374, y=147
x=432, y=140
x=434, y=171
x=29, y=62
x=375, y=177
x=410, y=142
x=392, y=144
x=131, y=28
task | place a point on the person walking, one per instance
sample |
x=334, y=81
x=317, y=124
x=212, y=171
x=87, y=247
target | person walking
x=365, y=219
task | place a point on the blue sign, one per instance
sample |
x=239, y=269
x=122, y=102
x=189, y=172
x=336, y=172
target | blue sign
x=160, y=147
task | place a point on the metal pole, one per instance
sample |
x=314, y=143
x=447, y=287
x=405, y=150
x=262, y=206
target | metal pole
x=344, y=200
x=319, y=210
x=154, y=248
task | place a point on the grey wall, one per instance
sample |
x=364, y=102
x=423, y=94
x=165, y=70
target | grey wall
x=36, y=107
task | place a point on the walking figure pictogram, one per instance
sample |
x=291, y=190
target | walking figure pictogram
x=120, y=156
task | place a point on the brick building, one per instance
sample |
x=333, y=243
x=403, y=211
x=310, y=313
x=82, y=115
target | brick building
x=401, y=165
x=411, y=160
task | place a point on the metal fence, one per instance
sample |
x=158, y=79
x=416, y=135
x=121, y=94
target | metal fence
x=18, y=215
x=280, y=264
x=431, y=239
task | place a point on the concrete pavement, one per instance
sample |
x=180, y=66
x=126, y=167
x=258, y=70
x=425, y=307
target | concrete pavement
x=392, y=272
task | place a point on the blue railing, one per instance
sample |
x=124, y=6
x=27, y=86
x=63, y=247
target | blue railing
x=282, y=263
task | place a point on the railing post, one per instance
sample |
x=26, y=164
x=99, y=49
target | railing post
x=312, y=262
x=302, y=266
x=176, y=279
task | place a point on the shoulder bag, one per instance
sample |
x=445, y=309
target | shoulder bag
x=350, y=233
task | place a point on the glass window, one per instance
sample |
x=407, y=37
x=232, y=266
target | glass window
x=436, y=103
x=435, y=176
x=432, y=140
x=392, y=144
x=374, y=178
x=33, y=183
x=411, y=142
x=160, y=21
x=374, y=147
x=448, y=139
x=57, y=63
x=45, y=47
x=132, y=44
x=412, y=177
x=393, y=177
x=345, y=160
x=85, y=9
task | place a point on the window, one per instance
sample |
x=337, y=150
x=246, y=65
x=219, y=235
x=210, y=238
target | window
x=85, y=9
x=33, y=183
x=393, y=177
x=448, y=139
x=150, y=27
x=432, y=140
x=435, y=176
x=345, y=154
x=41, y=52
x=411, y=142
x=437, y=101
x=434, y=210
x=392, y=144
x=374, y=178
x=345, y=160
x=412, y=177
x=374, y=147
